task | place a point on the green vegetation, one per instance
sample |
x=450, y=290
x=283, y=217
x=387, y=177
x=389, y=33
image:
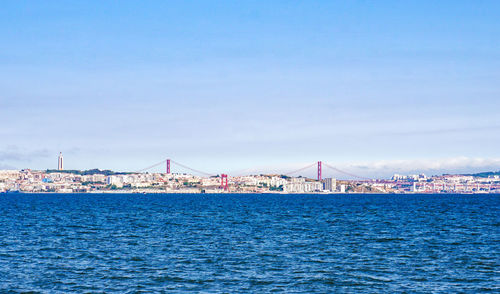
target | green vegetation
x=484, y=174
x=86, y=183
x=275, y=188
x=94, y=171
x=191, y=184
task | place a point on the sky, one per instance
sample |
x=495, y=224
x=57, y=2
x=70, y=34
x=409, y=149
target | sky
x=370, y=87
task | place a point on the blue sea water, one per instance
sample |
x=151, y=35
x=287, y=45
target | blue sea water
x=125, y=243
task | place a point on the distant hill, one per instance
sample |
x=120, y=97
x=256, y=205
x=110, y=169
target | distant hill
x=484, y=174
x=88, y=172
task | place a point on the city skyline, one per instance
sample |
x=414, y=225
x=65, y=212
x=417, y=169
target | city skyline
x=373, y=88
x=143, y=182
x=314, y=170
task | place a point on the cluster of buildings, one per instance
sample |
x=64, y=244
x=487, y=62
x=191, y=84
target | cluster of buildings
x=96, y=181
x=77, y=182
x=457, y=184
x=74, y=182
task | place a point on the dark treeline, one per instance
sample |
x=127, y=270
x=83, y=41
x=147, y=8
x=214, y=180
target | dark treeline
x=88, y=172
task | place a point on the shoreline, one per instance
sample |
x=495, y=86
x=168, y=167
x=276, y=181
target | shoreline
x=242, y=193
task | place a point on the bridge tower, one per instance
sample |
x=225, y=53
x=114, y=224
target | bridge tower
x=168, y=166
x=319, y=171
x=223, y=182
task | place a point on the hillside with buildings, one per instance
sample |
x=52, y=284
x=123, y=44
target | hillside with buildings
x=96, y=181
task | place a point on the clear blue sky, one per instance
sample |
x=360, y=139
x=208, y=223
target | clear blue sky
x=372, y=86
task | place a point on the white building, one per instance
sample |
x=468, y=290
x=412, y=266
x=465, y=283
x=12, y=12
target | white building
x=60, y=162
x=330, y=184
x=299, y=185
x=115, y=180
x=277, y=181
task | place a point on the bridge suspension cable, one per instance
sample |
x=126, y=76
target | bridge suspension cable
x=300, y=169
x=192, y=169
x=175, y=162
x=344, y=172
x=288, y=173
x=150, y=167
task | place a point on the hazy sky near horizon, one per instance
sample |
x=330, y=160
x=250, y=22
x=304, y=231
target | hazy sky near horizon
x=375, y=87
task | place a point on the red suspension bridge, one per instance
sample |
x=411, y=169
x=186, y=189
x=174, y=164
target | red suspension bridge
x=319, y=166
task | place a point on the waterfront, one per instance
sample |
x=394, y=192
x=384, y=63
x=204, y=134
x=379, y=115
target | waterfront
x=249, y=243
x=104, y=181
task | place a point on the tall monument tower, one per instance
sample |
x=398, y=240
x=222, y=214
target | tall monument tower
x=60, y=162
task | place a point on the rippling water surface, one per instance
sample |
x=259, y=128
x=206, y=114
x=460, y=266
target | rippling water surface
x=249, y=243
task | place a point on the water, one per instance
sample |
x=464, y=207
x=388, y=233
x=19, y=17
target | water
x=249, y=243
